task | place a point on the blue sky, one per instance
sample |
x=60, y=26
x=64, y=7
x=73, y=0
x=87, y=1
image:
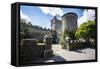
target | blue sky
x=42, y=15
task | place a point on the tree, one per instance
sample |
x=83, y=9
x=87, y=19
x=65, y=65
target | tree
x=72, y=34
x=86, y=30
x=68, y=33
x=27, y=30
x=27, y=33
x=65, y=34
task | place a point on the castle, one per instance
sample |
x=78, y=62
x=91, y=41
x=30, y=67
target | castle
x=68, y=21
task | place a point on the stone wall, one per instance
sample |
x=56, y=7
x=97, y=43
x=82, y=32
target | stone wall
x=31, y=50
x=75, y=44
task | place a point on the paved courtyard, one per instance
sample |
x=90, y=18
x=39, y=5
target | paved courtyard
x=64, y=55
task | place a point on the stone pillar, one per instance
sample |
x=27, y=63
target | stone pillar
x=67, y=39
x=48, y=46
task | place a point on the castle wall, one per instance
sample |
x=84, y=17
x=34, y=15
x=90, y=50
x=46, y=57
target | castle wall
x=68, y=21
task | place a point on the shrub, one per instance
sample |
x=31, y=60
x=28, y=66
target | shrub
x=66, y=33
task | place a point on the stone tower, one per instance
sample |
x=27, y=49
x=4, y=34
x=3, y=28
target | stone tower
x=69, y=21
x=53, y=23
x=56, y=26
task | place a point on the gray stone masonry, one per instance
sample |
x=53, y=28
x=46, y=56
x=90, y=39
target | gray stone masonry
x=48, y=46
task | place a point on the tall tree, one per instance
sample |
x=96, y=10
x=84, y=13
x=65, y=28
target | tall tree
x=87, y=30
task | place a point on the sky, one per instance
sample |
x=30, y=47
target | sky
x=40, y=15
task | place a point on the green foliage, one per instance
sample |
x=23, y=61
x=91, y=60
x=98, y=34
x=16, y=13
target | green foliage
x=66, y=33
x=86, y=30
x=72, y=34
x=63, y=36
x=27, y=30
x=27, y=33
x=22, y=35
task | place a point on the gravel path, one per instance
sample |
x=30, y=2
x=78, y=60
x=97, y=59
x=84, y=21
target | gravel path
x=64, y=55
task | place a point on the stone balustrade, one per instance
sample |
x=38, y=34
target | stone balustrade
x=75, y=44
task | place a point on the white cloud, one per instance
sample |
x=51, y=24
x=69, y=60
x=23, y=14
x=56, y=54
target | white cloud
x=52, y=11
x=23, y=16
x=87, y=15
